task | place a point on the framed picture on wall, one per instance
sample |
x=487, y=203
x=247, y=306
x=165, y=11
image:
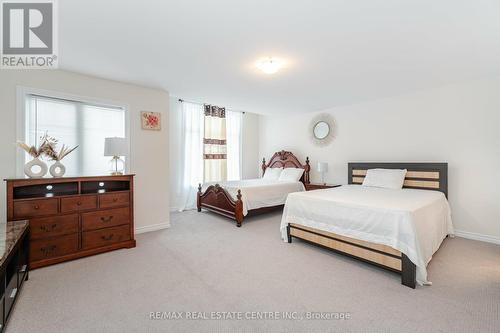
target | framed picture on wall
x=151, y=120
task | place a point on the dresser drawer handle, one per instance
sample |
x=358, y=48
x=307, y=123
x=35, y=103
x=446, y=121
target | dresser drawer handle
x=115, y=199
x=107, y=238
x=48, y=228
x=36, y=207
x=106, y=219
x=48, y=250
x=79, y=203
x=13, y=293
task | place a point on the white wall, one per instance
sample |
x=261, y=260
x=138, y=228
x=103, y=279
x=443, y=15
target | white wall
x=149, y=149
x=250, y=149
x=458, y=124
x=250, y=146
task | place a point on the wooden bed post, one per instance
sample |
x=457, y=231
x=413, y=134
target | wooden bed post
x=198, y=198
x=408, y=272
x=238, y=211
x=307, y=168
x=263, y=166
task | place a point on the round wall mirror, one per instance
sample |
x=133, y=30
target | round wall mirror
x=321, y=130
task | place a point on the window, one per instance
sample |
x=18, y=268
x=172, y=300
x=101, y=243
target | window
x=188, y=124
x=74, y=123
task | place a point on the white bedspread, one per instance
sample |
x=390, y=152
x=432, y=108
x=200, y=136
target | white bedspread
x=259, y=193
x=414, y=222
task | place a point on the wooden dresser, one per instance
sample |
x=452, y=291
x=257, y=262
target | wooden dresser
x=73, y=217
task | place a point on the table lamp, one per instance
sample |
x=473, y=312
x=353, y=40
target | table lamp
x=116, y=147
x=323, y=168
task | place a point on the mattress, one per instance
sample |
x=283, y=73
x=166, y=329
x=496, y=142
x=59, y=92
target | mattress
x=259, y=193
x=412, y=221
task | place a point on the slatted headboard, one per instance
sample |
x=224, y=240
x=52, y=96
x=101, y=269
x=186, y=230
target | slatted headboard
x=427, y=176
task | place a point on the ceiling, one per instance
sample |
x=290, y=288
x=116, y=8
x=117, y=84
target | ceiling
x=338, y=51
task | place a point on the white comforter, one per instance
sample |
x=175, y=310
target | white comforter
x=414, y=222
x=259, y=193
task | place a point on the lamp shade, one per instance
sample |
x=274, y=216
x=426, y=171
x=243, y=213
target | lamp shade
x=115, y=147
x=322, y=167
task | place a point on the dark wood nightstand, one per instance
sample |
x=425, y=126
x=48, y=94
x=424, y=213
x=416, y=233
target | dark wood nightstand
x=318, y=186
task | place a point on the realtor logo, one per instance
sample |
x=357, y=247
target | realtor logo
x=28, y=34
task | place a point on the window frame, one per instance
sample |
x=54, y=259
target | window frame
x=22, y=125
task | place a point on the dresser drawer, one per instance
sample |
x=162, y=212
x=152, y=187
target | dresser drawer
x=107, y=236
x=53, y=247
x=38, y=207
x=114, y=199
x=74, y=204
x=105, y=218
x=53, y=226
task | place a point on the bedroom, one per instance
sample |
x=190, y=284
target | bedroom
x=199, y=94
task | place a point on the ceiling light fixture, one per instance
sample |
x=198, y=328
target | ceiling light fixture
x=269, y=65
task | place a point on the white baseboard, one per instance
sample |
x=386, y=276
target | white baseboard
x=153, y=227
x=478, y=237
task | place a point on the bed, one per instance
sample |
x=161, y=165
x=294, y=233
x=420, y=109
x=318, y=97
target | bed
x=398, y=229
x=238, y=199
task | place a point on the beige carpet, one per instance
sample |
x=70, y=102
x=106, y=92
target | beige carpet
x=203, y=263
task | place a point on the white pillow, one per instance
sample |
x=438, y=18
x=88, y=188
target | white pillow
x=386, y=178
x=272, y=173
x=291, y=174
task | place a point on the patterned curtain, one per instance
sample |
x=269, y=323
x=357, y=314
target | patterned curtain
x=214, y=144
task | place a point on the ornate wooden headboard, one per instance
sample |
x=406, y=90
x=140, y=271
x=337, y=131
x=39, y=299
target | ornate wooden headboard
x=427, y=176
x=285, y=159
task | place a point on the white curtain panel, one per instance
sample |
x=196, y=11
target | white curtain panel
x=234, y=122
x=192, y=147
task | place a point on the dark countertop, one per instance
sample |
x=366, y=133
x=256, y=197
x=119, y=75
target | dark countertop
x=10, y=232
x=62, y=179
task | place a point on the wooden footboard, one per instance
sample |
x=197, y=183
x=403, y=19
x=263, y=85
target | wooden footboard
x=218, y=200
x=381, y=255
